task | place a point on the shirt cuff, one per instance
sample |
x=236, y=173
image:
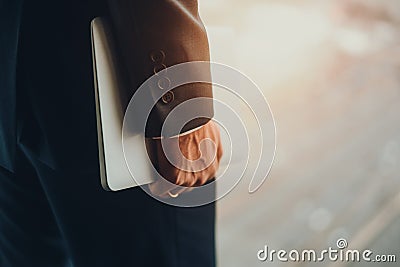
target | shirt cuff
x=182, y=134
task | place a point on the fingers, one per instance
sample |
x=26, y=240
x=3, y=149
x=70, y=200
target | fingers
x=187, y=182
x=164, y=189
x=187, y=176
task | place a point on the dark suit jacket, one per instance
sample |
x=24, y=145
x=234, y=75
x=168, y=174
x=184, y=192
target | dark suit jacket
x=46, y=86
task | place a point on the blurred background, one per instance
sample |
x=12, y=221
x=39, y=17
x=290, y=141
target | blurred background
x=330, y=70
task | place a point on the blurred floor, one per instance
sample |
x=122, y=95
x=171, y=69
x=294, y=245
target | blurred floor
x=331, y=72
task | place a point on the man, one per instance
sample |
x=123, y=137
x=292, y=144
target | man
x=53, y=211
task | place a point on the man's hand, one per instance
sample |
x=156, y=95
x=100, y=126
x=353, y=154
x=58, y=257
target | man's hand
x=195, y=157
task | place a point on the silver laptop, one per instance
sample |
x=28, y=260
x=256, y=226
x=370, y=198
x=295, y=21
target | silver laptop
x=110, y=108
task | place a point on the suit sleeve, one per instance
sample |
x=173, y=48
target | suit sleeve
x=154, y=34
